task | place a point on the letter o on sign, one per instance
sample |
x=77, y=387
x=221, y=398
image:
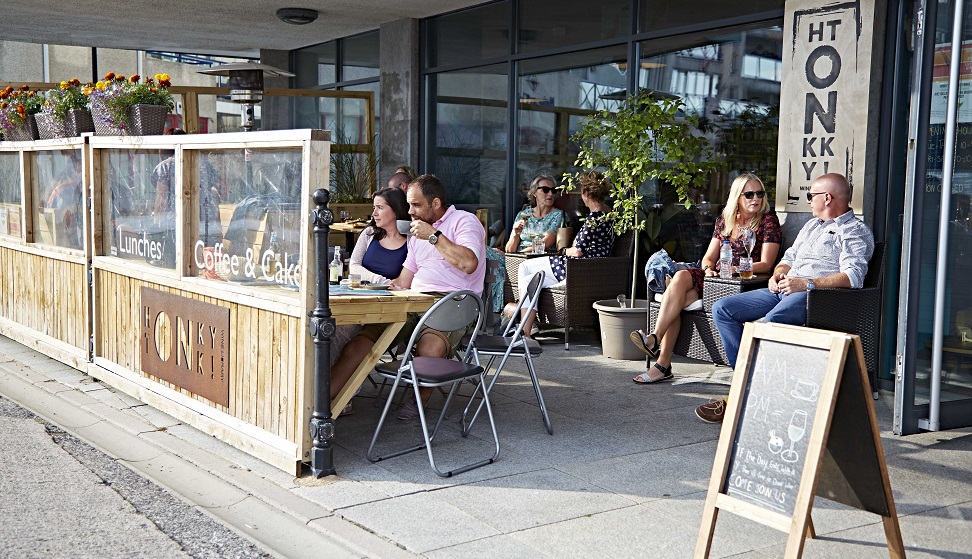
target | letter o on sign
x=830, y=52
x=163, y=336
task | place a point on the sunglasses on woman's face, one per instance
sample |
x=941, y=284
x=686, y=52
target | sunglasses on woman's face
x=758, y=193
x=545, y=189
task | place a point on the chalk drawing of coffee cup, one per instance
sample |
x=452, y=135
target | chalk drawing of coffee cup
x=806, y=390
x=775, y=442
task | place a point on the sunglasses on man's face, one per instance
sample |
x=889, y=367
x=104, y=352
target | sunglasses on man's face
x=810, y=195
x=545, y=189
x=758, y=193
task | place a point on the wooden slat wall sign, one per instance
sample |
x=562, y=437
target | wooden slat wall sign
x=799, y=422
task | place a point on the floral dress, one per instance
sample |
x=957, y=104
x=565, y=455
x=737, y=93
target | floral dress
x=537, y=226
x=768, y=232
x=595, y=241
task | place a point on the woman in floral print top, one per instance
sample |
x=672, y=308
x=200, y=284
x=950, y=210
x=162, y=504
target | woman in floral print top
x=594, y=240
x=747, y=208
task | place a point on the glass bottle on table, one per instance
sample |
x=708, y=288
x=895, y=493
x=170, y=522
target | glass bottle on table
x=336, y=267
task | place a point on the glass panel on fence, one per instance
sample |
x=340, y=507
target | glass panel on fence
x=249, y=216
x=10, y=193
x=55, y=181
x=140, y=218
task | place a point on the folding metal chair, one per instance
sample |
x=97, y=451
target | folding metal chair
x=453, y=312
x=511, y=343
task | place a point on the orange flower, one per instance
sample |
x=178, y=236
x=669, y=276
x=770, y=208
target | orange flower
x=154, y=89
x=165, y=83
x=149, y=81
x=24, y=87
x=8, y=90
x=30, y=94
x=134, y=78
x=119, y=78
x=75, y=82
x=3, y=105
x=109, y=76
x=22, y=111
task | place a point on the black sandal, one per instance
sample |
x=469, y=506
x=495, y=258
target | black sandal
x=640, y=340
x=644, y=378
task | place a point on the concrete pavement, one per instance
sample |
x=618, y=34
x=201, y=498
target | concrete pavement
x=624, y=474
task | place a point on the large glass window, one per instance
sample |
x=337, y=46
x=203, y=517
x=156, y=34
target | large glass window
x=56, y=179
x=740, y=108
x=248, y=214
x=315, y=65
x=468, y=144
x=556, y=93
x=359, y=57
x=657, y=16
x=468, y=36
x=10, y=193
x=546, y=24
x=139, y=206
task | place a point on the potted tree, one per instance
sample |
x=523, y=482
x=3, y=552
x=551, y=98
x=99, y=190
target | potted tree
x=648, y=137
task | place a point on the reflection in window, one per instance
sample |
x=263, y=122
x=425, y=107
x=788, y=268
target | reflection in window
x=468, y=152
x=56, y=179
x=546, y=24
x=139, y=214
x=556, y=93
x=468, y=36
x=10, y=193
x=732, y=84
x=248, y=210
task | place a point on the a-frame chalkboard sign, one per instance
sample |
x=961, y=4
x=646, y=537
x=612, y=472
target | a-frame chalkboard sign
x=800, y=422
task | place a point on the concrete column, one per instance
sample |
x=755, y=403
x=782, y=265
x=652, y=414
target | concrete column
x=830, y=109
x=399, y=95
x=275, y=112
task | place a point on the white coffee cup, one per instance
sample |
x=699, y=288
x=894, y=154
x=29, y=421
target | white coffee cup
x=404, y=226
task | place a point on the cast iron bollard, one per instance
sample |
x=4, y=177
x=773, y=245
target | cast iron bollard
x=322, y=330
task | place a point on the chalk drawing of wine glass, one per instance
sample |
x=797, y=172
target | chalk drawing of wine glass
x=796, y=430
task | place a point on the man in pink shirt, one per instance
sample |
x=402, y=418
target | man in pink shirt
x=446, y=252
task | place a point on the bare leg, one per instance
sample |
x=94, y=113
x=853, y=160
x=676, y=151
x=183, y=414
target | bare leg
x=528, y=323
x=351, y=356
x=678, y=294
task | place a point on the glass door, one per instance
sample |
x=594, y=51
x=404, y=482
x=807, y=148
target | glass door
x=934, y=344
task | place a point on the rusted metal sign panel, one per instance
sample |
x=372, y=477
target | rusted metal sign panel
x=186, y=342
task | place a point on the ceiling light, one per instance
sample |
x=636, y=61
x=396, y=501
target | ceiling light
x=297, y=16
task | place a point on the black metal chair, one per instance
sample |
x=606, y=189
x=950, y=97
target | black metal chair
x=455, y=311
x=510, y=343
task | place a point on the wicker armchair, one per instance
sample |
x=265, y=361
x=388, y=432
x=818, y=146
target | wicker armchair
x=569, y=305
x=853, y=311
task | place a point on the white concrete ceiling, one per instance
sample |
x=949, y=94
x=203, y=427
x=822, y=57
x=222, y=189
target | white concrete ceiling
x=229, y=27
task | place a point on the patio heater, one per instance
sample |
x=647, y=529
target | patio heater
x=246, y=85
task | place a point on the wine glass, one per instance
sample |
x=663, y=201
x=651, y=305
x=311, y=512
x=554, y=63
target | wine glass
x=749, y=241
x=795, y=432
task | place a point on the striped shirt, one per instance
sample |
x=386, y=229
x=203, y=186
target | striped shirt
x=824, y=248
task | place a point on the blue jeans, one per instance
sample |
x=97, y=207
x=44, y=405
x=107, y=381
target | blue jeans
x=729, y=314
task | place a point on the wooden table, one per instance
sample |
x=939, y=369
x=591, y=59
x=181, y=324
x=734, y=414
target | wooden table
x=390, y=309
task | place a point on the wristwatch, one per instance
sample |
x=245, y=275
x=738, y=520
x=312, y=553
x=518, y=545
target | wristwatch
x=810, y=285
x=434, y=237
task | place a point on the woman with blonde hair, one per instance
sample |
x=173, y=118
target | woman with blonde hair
x=747, y=208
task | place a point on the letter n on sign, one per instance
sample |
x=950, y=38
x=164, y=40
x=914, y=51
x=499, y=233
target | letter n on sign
x=185, y=342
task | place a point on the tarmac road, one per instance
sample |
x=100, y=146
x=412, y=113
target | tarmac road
x=63, y=498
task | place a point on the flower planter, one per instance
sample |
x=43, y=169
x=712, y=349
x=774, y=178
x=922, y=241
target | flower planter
x=105, y=125
x=617, y=324
x=77, y=122
x=147, y=120
x=24, y=133
x=49, y=127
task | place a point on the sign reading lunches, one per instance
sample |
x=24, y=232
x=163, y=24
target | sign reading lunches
x=799, y=423
x=824, y=98
x=186, y=342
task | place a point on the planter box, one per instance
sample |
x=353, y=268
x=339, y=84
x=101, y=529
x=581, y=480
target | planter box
x=24, y=133
x=147, y=120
